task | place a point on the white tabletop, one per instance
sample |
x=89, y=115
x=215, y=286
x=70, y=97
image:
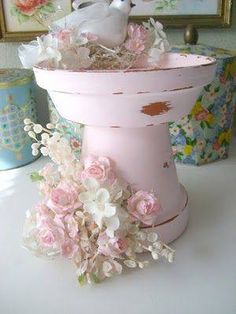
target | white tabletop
x=202, y=279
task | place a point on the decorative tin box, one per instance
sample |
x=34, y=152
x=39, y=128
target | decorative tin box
x=17, y=102
x=204, y=135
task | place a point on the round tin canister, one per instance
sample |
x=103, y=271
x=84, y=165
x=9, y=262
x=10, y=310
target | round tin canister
x=17, y=102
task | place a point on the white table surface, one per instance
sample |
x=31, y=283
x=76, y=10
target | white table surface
x=202, y=279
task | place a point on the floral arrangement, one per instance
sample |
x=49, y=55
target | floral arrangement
x=69, y=49
x=25, y=10
x=87, y=214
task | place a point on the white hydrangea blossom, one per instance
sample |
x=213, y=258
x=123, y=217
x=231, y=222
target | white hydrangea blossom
x=97, y=201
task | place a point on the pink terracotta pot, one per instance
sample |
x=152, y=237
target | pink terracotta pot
x=126, y=114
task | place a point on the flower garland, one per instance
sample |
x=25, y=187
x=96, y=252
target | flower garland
x=69, y=49
x=87, y=214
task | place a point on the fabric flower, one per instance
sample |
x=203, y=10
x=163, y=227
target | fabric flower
x=99, y=169
x=42, y=49
x=137, y=37
x=63, y=199
x=111, y=246
x=69, y=248
x=47, y=238
x=89, y=218
x=160, y=44
x=144, y=207
x=76, y=58
x=97, y=202
x=50, y=234
x=60, y=150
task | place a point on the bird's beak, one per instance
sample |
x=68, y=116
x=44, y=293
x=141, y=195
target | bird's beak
x=132, y=4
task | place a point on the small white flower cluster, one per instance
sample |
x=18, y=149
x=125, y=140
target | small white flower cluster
x=148, y=242
x=68, y=52
x=48, y=143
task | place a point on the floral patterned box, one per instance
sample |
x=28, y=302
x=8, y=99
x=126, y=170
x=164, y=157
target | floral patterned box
x=204, y=135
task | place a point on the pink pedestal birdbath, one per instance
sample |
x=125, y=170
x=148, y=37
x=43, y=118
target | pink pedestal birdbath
x=126, y=115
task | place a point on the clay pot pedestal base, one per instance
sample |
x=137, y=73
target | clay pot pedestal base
x=143, y=157
x=126, y=115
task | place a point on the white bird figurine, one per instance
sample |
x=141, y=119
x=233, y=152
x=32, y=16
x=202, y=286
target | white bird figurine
x=107, y=22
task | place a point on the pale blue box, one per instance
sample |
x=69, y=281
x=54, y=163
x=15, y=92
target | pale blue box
x=17, y=102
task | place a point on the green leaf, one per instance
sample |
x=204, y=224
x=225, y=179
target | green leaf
x=36, y=177
x=188, y=141
x=202, y=125
x=179, y=156
x=49, y=8
x=95, y=278
x=207, y=88
x=208, y=124
x=14, y=11
x=22, y=18
x=82, y=280
x=210, y=107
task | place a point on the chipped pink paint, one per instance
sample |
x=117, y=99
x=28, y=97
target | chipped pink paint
x=103, y=100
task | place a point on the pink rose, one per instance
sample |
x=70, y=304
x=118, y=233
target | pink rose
x=137, y=36
x=47, y=238
x=201, y=115
x=144, y=207
x=119, y=244
x=69, y=248
x=137, y=31
x=135, y=45
x=111, y=246
x=99, y=169
x=63, y=199
x=29, y=7
x=50, y=235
